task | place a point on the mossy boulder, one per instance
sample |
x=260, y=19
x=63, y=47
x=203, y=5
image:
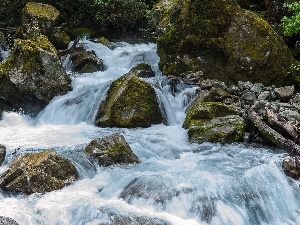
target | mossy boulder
x=222, y=41
x=38, y=172
x=33, y=75
x=60, y=39
x=130, y=102
x=112, y=149
x=214, y=122
x=85, y=61
x=143, y=70
x=37, y=19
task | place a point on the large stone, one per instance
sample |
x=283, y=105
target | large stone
x=214, y=122
x=130, y=102
x=110, y=150
x=222, y=41
x=37, y=19
x=33, y=75
x=38, y=172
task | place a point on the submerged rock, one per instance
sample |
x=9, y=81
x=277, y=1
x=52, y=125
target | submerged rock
x=33, y=75
x=221, y=41
x=111, y=150
x=130, y=102
x=143, y=70
x=214, y=122
x=2, y=154
x=38, y=172
x=7, y=221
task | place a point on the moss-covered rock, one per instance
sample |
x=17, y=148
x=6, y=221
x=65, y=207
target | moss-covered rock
x=32, y=75
x=38, y=172
x=143, y=70
x=214, y=122
x=222, y=41
x=130, y=102
x=37, y=19
x=85, y=61
x=111, y=150
x=60, y=39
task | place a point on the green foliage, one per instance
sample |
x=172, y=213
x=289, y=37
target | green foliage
x=291, y=24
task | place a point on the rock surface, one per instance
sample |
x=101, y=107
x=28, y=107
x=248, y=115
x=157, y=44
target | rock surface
x=7, y=221
x=111, y=150
x=219, y=40
x=2, y=154
x=38, y=172
x=130, y=102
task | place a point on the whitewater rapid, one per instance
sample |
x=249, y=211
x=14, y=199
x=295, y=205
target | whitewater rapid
x=177, y=183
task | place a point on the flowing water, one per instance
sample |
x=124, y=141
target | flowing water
x=177, y=183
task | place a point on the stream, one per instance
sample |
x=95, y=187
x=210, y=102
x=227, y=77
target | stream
x=177, y=183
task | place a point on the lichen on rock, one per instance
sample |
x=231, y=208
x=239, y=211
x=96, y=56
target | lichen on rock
x=38, y=172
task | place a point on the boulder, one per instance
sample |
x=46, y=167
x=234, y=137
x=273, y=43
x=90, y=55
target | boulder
x=130, y=102
x=38, y=172
x=37, y=19
x=60, y=39
x=285, y=93
x=33, y=75
x=2, y=154
x=85, y=61
x=7, y=221
x=143, y=70
x=111, y=150
x=219, y=40
x=214, y=122
x=290, y=167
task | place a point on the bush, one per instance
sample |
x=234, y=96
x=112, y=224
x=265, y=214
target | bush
x=291, y=24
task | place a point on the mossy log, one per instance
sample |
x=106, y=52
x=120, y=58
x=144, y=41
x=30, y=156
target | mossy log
x=272, y=135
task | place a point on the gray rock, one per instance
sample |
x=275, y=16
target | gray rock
x=265, y=95
x=2, y=154
x=111, y=150
x=290, y=168
x=290, y=115
x=248, y=96
x=257, y=88
x=285, y=93
x=247, y=85
x=7, y=221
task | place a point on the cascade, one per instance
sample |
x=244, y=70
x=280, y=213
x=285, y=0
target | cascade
x=177, y=183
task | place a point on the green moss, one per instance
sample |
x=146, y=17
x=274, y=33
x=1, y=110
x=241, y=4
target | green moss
x=202, y=111
x=41, y=11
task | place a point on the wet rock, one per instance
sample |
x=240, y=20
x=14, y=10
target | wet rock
x=85, y=61
x=7, y=221
x=130, y=102
x=285, y=93
x=33, y=75
x=143, y=70
x=214, y=122
x=38, y=172
x=290, y=168
x=2, y=154
x=111, y=150
x=221, y=40
x=60, y=39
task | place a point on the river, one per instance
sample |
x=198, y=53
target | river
x=177, y=183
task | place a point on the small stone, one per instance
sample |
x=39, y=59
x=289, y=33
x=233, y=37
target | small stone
x=7, y=221
x=249, y=96
x=290, y=168
x=265, y=95
x=257, y=88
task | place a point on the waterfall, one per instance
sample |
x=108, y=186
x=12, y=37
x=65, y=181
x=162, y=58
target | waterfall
x=177, y=183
